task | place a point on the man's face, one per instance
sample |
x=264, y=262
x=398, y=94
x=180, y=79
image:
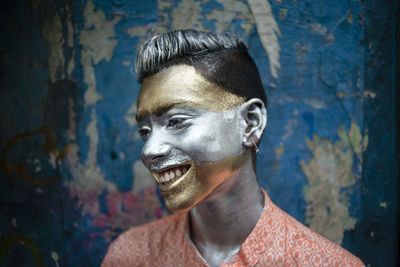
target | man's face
x=191, y=128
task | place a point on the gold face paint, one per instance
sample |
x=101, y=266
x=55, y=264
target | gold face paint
x=163, y=90
x=199, y=182
x=213, y=156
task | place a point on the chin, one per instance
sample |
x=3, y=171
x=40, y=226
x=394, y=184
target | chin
x=179, y=203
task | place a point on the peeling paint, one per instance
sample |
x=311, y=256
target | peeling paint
x=89, y=183
x=365, y=94
x=187, y=15
x=55, y=257
x=329, y=172
x=370, y=94
x=268, y=31
x=232, y=10
x=130, y=115
x=383, y=204
x=52, y=32
x=323, y=31
x=279, y=151
x=98, y=43
x=83, y=168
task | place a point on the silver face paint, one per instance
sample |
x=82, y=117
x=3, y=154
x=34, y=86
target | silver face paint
x=190, y=150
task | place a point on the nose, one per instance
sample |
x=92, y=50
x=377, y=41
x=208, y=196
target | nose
x=155, y=149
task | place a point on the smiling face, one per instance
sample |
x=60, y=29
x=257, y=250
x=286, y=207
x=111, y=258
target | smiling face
x=191, y=128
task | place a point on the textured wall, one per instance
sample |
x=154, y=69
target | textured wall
x=71, y=178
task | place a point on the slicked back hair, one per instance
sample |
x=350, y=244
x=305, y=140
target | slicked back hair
x=220, y=58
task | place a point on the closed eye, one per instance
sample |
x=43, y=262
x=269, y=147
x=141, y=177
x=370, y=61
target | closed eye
x=175, y=123
x=144, y=132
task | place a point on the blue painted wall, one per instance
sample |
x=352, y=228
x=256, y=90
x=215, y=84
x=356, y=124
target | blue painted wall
x=71, y=178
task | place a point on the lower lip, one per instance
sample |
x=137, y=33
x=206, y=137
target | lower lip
x=170, y=186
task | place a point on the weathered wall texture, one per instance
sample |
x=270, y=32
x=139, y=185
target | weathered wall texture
x=71, y=178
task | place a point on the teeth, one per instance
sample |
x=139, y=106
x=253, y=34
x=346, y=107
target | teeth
x=172, y=175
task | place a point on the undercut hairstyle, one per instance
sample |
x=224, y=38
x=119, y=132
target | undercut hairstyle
x=220, y=58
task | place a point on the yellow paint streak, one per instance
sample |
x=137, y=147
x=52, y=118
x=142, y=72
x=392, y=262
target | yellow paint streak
x=279, y=151
x=329, y=172
x=97, y=40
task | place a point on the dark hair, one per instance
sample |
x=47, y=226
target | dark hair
x=220, y=58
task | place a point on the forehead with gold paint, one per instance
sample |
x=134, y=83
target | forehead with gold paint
x=182, y=85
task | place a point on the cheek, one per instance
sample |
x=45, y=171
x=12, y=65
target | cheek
x=212, y=140
x=201, y=140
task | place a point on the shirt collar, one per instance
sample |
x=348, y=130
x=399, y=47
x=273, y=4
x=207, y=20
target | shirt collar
x=261, y=237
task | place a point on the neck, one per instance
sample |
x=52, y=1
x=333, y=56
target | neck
x=221, y=223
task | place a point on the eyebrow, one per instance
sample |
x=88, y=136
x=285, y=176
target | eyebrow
x=164, y=108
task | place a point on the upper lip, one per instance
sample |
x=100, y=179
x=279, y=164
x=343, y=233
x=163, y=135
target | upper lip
x=168, y=167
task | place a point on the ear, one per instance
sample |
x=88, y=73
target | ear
x=254, y=116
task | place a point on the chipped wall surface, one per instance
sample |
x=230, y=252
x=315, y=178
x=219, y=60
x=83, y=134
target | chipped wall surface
x=70, y=169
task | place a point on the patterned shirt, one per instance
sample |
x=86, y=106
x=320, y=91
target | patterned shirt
x=276, y=240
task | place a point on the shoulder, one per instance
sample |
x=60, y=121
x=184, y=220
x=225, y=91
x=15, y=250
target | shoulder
x=134, y=247
x=309, y=248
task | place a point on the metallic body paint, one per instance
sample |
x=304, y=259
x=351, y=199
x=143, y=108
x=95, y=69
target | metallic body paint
x=199, y=182
x=161, y=90
x=214, y=155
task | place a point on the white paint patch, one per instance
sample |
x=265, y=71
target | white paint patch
x=232, y=10
x=38, y=166
x=52, y=32
x=289, y=129
x=130, y=115
x=268, y=31
x=370, y=94
x=39, y=190
x=97, y=39
x=187, y=15
x=88, y=180
x=321, y=30
x=93, y=135
x=55, y=257
x=315, y=103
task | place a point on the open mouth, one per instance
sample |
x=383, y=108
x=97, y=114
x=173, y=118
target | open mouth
x=170, y=175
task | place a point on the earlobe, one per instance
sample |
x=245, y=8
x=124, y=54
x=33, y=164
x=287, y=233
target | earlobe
x=254, y=116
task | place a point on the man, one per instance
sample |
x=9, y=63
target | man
x=201, y=111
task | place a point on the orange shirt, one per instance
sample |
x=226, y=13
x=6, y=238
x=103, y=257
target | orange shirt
x=276, y=240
